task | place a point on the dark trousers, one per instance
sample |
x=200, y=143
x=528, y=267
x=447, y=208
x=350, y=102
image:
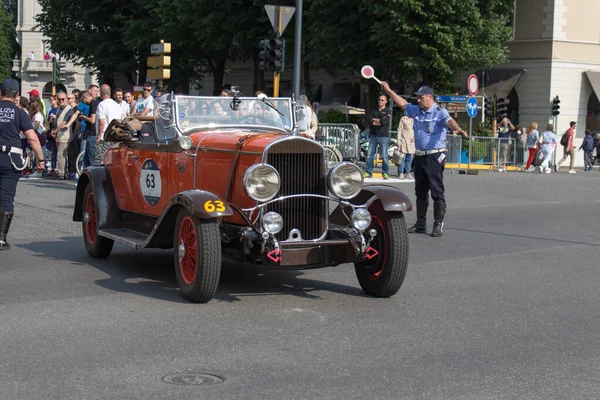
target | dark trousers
x=8, y=183
x=429, y=177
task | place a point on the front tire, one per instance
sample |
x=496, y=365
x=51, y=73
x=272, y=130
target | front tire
x=383, y=275
x=197, y=255
x=96, y=245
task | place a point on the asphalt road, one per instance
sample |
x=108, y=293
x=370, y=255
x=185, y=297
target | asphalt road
x=505, y=305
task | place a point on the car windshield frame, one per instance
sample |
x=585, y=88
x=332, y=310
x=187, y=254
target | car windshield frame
x=189, y=113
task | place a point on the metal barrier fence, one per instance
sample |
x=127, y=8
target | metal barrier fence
x=454, y=146
x=345, y=137
x=495, y=152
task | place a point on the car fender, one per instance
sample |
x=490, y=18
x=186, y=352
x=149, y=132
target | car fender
x=391, y=199
x=107, y=209
x=198, y=202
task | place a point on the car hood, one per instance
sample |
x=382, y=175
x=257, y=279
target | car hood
x=228, y=139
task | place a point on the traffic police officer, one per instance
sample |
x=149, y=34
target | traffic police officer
x=13, y=120
x=431, y=122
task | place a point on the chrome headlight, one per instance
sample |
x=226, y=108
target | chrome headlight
x=345, y=180
x=185, y=142
x=272, y=222
x=361, y=219
x=261, y=182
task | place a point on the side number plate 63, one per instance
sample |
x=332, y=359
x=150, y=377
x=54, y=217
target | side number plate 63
x=214, y=205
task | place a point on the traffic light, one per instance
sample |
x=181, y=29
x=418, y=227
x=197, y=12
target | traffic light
x=159, y=64
x=555, y=106
x=277, y=54
x=489, y=107
x=502, y=108
x=272, y=55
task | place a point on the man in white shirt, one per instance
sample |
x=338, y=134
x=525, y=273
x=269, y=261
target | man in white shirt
x=118, y=96
x=145, y=106
x=107, y=110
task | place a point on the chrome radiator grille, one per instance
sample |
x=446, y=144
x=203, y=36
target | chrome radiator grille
x=301, y=166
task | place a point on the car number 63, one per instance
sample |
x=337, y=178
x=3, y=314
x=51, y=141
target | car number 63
x=211, y=206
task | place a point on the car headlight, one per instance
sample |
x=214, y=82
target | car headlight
x=345, y=180
x=361, y=219
x=261, y=182
x=272, y=222
x=185, y=142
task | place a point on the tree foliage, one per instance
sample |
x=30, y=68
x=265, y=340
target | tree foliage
x=408, y=41
x=7, y=38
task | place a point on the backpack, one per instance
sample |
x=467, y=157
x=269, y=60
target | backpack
x=564, y=140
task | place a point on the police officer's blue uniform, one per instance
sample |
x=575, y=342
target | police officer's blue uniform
x=13, y=120
x=430, y=159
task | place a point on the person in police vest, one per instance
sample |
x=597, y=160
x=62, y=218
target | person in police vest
x=13, y=120
x=431, y=123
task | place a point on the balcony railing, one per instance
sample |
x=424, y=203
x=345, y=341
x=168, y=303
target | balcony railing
x=35, y=66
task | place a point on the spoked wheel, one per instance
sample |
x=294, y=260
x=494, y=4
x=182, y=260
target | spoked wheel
x=332, y=156
x=79, y=163
x=96, y=245
x=383, y=274
x=197, y=256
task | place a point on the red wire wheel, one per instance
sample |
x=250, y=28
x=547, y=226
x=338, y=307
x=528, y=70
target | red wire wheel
x=91, y=226
x=382, y=270
x=197, y=252
x=188, y=250
x=95, y=244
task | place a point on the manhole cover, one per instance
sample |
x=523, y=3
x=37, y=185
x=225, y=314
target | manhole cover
x=193, y=379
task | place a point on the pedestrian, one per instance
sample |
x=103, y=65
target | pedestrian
x=88, y=106
x=431, y=123
x=107, y=111
x=35, y=95
x=118, y=98
x=32, y=55
x=569, y=147
x=406, y=147
x=505, y=132
x=47, y=56
x=588, y=148
x=145, y=106
x=378, y=120
x=532, y=138
x=61, y=133
x=548, y=144
x=13, y=121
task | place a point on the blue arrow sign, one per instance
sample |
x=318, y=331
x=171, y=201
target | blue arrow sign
x=451, y=99
x=472, y=107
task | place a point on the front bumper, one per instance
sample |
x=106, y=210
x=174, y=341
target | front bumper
x=341, y=245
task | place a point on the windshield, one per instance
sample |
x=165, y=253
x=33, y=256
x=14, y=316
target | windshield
x=210, y=112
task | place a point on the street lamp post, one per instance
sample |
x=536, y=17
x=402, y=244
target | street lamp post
x=297, y=47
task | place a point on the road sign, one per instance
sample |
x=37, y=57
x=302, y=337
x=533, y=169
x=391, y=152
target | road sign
x=456, y=107
x=159, y=61
x=274, y=14
x=473, y=85
x=160, y=48
x=472, y=107
x=451, y=99
x=160, y=73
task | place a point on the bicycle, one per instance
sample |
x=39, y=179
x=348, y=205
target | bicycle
x=79, y=163
x=332, y=155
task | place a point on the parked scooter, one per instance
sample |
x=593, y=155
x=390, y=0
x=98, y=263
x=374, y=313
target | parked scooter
x=364, y=145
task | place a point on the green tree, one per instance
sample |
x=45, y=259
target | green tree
x=409, y=41
x=7, y=35
x=91, y=33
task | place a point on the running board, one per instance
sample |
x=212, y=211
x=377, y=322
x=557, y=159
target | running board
x=128, y=237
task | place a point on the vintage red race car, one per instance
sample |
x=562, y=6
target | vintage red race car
x=218, y=178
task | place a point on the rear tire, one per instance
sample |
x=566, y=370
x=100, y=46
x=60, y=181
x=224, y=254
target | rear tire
x=197, y=256
x=383, y=275
x=96, y=245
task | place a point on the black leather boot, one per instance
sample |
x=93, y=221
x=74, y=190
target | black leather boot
x=439, y=210
x=5, y=218
x=421, y=225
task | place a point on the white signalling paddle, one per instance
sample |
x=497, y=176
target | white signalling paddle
x=368, y=72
